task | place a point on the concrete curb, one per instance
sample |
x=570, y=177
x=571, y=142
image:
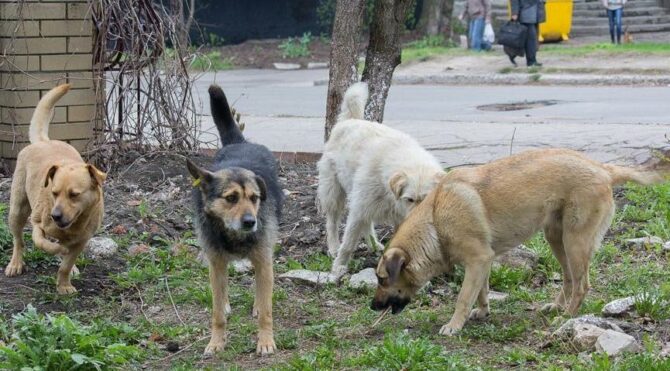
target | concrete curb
x=537, y=78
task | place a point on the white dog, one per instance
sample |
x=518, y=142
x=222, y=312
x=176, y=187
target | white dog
x=384, y=173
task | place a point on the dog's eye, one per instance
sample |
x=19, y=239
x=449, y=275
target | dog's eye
x=74, y=194
x=253, y=198
x=410, y=200
x=55, y=194
x=231, y=198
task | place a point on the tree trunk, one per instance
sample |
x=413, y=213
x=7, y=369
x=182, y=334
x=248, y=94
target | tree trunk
x=383, y=54
x=343, y=56
x=435, y=18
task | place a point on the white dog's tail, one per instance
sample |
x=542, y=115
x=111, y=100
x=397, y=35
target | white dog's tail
x=353, y=104
x=39, y=123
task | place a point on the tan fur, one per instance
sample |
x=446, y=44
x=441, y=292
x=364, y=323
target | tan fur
x=477, y=213
x=52, y=179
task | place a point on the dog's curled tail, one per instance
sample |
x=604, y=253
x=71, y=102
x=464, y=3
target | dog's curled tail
x=39, y=123
x=353, y=103
x=229, y=132
x=621, y=175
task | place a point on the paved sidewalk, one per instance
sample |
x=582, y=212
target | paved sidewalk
x=285, y=111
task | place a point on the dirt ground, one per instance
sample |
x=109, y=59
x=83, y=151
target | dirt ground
x=263, y=53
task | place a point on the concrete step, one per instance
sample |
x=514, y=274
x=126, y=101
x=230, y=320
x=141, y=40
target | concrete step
x=630, y=5
x=604, y=29
x=627, y=21
x=647, y=11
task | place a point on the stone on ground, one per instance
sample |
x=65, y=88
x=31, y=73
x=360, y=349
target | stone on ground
x=614, y=343
x=101, y=247
x=364, y=279
x=138, y=249
x=666, y=246
x=643, y=242
x=286, y=66
x=567, y=330
x=519, y=257
x=586, y=336
x=314, y=65
x=241, y=266
x=497, y=296
x=619, y=307
x=665, y=351
x=309, y=277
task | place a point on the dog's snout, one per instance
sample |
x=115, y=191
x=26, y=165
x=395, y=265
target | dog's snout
x=377, y=305
x=57, y=215
x=248, y=221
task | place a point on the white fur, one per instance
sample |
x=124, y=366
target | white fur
x=358, y=161
x=353, y=103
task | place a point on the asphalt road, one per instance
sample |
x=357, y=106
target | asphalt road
x=284, y=110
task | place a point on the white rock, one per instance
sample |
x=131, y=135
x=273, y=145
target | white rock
x=101, y=247
x=364, y=279
x=154, y=309
x=665, y=351
x=586, y=336
x=643, y=242
x=311, y=277
x=286, y=66
x=241, y=266
x=619, y=307
x=614, y=343
x=315, y=65
x=567, y=330
x=666, y=246
x=496, y=296
x=519, y=257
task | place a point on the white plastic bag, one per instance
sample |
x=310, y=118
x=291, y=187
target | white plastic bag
x=489, y=35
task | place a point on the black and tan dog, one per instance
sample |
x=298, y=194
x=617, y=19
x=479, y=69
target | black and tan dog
x=59, y=191
x=477, y=213
x=237, y=208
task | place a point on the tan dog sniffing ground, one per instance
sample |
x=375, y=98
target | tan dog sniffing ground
x=60, y=193
x=475, y=214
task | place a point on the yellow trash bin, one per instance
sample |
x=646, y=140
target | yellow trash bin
x=559, y=20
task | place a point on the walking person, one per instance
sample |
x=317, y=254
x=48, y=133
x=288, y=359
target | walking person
x=479, y=14
x=614, y=14
x=530, y=13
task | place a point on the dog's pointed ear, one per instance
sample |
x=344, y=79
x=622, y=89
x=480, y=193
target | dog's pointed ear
x=200, y=176
x=97, y=175
x=397, y=183
x=262, y=187
x=395, y=262
x=50, y=175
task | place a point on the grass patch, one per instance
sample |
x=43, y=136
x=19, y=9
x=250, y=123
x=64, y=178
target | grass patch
x=212, y=61
x=608, y=48
x=296, y=47
x=425, y=48
x=60, y=343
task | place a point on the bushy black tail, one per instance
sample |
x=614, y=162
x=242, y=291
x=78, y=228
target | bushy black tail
x=223, y=118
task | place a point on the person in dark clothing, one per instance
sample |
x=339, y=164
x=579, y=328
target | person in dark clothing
x=529, y=13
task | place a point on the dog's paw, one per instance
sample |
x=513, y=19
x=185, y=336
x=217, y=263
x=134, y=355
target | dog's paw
x=449, y=330
x=550, y=308
x=214, y=346
x=338, y=272
x=266, y=345
x=14, y=268
x=66, y=289
x=479, y=313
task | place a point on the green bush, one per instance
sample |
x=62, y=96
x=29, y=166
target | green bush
x=296, y=48
x=60, y=343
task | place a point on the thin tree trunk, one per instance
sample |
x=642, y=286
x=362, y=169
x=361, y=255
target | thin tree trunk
x=343, y=56
x=383, y=54
x=435, y=18
x=445, y=18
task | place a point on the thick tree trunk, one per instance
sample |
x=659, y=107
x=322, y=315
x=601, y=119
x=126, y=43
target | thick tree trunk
x=435, y=18
x=383, y=54
x=343, y=56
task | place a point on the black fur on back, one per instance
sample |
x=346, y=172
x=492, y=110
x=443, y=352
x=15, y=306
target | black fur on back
x=238, y=153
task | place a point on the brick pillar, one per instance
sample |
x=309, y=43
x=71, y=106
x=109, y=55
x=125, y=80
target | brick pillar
x=44, y=44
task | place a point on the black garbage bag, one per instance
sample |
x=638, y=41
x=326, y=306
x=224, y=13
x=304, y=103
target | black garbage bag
x=513, y=34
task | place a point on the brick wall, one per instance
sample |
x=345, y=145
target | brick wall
x=44, y=44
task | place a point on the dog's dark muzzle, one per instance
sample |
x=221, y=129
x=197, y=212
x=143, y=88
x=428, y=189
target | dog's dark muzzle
x=397, y=304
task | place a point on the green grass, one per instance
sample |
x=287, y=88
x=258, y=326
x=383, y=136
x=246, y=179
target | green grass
x=212, y=61
x=647, y=48
x=426, y=48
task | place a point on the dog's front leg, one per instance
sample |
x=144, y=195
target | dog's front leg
x=41, y=242
x=63, y=283
x=262, y=262
x=476, y=272
x=218, y=278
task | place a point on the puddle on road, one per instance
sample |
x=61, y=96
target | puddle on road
x=517, y=106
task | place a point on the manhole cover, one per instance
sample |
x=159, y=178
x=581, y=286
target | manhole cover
x=517, y=106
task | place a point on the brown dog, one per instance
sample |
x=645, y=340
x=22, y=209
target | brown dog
x=59, y=191
x=477, y=213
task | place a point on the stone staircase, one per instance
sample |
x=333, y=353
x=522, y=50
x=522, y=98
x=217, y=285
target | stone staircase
x=590, y=19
